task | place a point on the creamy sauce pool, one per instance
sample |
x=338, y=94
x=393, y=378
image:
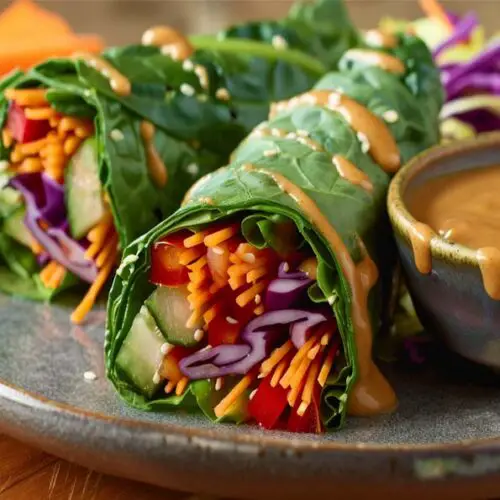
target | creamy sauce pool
x=464, y=208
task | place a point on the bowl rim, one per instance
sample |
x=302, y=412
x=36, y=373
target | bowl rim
x=401, y=218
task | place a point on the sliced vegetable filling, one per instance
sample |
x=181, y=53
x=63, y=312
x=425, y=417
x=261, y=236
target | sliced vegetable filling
x=226, y=309
x=66, y=220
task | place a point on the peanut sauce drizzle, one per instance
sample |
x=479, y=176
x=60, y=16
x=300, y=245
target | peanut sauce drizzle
x=156, y=167
x=371, y=393
x=382, y=145
x=462, y=207
x=385, y=61
x=169, y=40
x=348, y=171
x=118, y=82
x=381, y=39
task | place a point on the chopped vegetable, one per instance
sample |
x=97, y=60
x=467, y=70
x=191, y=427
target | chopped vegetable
x=268, y=404
x=22, y=129
x=165, y=266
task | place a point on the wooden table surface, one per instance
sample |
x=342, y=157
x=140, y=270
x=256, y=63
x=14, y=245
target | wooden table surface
x=30, y=474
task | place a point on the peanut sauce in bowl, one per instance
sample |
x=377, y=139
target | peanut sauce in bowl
x=445, y=209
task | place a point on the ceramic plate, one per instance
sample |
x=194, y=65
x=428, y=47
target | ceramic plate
x=444, y=438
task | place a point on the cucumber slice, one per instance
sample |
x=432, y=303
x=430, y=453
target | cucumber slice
x=140, y=354
x=15, y=228
x=170, y=309
x=84, y=197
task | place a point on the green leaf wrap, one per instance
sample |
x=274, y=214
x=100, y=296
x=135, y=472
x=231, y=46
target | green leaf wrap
x=197, y=130
x=254, y=197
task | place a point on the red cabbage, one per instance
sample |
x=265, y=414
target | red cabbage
x=44, y=200
x=286, y=290
x=260, y=335
x=461, y=33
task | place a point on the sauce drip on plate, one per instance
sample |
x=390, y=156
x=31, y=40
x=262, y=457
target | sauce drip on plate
x=463, y=208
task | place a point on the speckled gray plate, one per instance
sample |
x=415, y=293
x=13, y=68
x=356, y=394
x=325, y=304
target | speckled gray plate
x=444, y=440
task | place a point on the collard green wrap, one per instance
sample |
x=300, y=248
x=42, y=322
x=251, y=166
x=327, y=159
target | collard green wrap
x=254, y=197
x=196, y=127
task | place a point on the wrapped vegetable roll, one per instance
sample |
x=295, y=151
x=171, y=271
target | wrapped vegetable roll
x=259, y=299
x=99, y=149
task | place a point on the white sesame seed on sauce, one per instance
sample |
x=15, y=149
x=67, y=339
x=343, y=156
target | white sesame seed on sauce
x=117, y=135
x=156, y=378
x=249, y=258
x=252, y=394
x=231, y=320
x=365, y=144
x=268, y=153
x=291, y=135
x=187, y=65
x=276, y=132
x=193, y=169
x=218, y=250
x=309, y=99
x=90, y=376
x=390, y=116
x=218, y=384
x=166, y=348
x=286, y=267
x=258, y=299
x=187, y=89
x=278, y=42
x=302, y=133
x=171, y=50
x=198, y=334
x=334, y=99
x=222, y=94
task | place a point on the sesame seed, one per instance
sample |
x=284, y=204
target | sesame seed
x=309, y=99
x=231, y=320
x=258, y=299
x=166, y=348
x=278, y=42
x=116, y=135
x=198, y=334
x=390, y=116
x=171, y=50
x=291, y=135
x=276, y=132
x=218, y=383
x=286, y=267
x=332, y=299
x=193, y=169
x=156, y=378
x=325, y=339
x=218, y=250
x=252, y=394
x=222, y=94
x=334, y=99
x=187, y=89
x=302, y=133
x=270, y=152
x=249, y=258
x=90, y=376
x=365, y=145
x=87, y=93
x=202, y=75
x=187, y=65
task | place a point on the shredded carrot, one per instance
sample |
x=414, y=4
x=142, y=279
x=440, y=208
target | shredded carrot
x=239, y=270
x=27, y=97
x=276, y=356
x=68, y=123
x=84, y=131
x=255, y=274
x=195, y=239
x=7, y=138
x=259, y=310
x=47, y=272
x=181, y=386
x=295, y=391
x=196, y=285
x=247, y=296
x=327, y=366
x=54, y=123
x=311, y=380
x=194, y=318
x=218, y=237
x=71, y=144
x=170, y=386
x=57, y=276
x=39, y=113
x=226, y=403
x=296, y=380
x=90, y=297
x=198, y=298
x=190, y=255
x=244, y=248
x=432, y=8
x=200, y=263
x=234, y=259
x=109, y=248
x=236, y=283
x=31, y=148
x=199, y=276
x=211, y=313
x=36, y=248
x=297, y=359
x=215, y=287
x=30, y=165
x=278, y=373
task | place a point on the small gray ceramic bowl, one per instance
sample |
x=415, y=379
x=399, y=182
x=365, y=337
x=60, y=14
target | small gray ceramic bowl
x=451, y=300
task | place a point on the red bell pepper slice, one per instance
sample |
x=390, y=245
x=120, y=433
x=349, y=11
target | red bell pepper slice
x=165, y=267
x=310, y=422
x=22, y=129
x=267, y=404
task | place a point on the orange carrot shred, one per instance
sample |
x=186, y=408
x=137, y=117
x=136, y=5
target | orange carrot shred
x=218, y=237
x=221, y=409
x=276, y=356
